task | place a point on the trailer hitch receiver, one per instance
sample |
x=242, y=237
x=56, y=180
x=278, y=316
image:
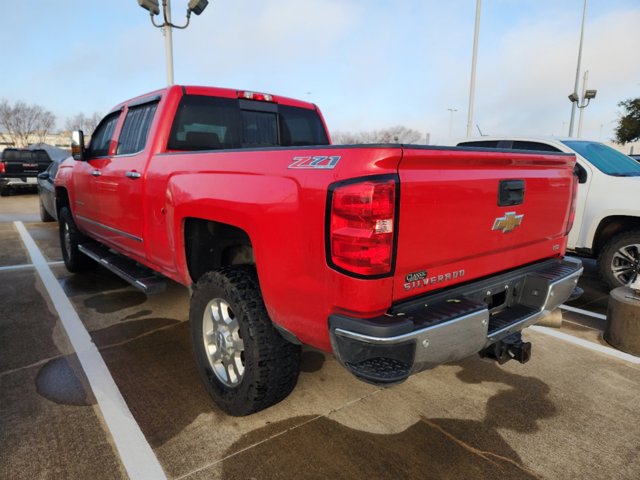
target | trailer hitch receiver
x=509, y=348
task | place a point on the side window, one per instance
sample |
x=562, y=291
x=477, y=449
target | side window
x=135, y=130
x=541, y=147
x=581, y=172
x=101, y=138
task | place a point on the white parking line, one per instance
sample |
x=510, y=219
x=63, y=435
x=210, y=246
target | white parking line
x=16, y=267
x=135, y=452
x=596, y=347
x=583, y=312
x=27, y=265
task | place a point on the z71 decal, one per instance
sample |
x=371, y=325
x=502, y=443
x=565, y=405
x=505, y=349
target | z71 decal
x=321, y=163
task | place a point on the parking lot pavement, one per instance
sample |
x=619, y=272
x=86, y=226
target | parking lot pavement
x=12, y=252
x=22, y=207
x=46, y=237
x=568, y=413
x=49, y=427
x=596, y=294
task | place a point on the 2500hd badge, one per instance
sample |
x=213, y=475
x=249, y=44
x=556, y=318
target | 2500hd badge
x=421, y=279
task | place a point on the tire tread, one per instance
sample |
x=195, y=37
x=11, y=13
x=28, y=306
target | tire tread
x=271, y=371
x=604, y=258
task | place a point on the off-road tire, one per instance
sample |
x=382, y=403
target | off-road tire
x=44, y=215
x=609, y=250
x=271, y=363
x=74, y=260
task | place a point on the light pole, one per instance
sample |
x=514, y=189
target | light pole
x=584, y=95
x=195, y=6
x=451, y=112
x=582, y=103
x=472, y=86
x=574, y=104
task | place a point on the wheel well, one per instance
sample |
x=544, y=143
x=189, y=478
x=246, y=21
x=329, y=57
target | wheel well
x=62, y=198
x=610, y=227
x=211, y=245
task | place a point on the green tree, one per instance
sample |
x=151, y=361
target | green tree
x=628, y=129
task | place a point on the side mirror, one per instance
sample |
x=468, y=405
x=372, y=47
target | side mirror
x=77, y=145
x=581, y=173
x=43, y=176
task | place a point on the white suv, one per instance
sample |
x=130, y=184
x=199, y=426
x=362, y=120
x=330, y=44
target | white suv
x=607, y=222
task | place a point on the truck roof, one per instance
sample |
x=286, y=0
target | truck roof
x=216, y=92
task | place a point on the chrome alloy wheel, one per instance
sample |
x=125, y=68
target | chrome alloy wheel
x=625, y=263
x=222, y=342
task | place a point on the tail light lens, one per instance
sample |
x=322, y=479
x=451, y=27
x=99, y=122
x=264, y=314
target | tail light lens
x=572, y=208
x=2, y=169
x=361, y=227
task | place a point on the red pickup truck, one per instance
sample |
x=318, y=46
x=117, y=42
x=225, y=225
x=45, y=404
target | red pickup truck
x=394, y=258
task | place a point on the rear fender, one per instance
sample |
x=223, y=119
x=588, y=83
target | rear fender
x=265, y=208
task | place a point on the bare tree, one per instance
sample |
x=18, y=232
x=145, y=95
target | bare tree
x=397, y=134
x=21, y=123
x=83, y=122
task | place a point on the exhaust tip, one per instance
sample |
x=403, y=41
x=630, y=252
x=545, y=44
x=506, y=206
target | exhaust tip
x=552, y=319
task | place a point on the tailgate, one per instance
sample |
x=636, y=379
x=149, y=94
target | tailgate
x=19, y=164
x=455, y=225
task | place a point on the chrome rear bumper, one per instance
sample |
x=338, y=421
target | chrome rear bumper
x=451, y=325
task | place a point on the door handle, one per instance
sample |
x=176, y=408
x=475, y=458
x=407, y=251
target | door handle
x=510, y=193
x=96, y=173
x=133, y=175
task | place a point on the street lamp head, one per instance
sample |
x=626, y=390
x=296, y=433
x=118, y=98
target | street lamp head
x=574, y=98
x=151, y=5
x=590, y=94
x=198, y=6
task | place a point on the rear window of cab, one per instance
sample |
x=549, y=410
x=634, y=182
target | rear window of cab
x=211, y=123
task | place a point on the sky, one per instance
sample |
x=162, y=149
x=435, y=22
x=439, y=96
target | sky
x=368, y=64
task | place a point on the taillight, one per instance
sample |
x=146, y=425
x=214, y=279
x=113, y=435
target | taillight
x=260, y=97
x=361, y=226
x=572, y=208
x=2, y=169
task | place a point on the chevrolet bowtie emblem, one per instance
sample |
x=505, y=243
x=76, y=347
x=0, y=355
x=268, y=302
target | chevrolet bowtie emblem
x=508, y=222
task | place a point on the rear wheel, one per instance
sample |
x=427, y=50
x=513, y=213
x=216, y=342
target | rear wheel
x=244, y=362
x=70, y=238
x=619, y=260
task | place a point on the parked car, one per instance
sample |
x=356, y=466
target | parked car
x=46, y=192
x=607, y=221
x=635, y=157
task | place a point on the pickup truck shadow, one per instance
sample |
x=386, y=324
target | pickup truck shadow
x=430, y=448
x=155, y=372
x=152, y=363
x=94, y=281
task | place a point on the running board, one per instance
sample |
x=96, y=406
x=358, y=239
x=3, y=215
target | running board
x=140, y=277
